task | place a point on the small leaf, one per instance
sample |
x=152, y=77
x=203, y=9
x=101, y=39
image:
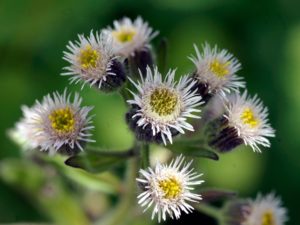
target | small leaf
x=193, y=150
x=95, y=162
x=211, y=195
x=105, y=182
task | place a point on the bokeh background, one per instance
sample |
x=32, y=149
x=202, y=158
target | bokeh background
x=263, y=34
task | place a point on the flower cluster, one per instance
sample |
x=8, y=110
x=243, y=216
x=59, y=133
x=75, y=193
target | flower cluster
x=161, y=108
x=99, y=60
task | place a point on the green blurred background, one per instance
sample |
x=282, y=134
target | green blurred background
x=264, y=35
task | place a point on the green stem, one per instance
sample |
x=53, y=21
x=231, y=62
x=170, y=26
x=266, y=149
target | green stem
x=209, y=210
x=124, y=93
x=123, y=210
x=145, y=156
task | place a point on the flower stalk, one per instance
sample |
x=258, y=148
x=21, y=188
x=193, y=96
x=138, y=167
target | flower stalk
x=145, y=157
x=123, y=210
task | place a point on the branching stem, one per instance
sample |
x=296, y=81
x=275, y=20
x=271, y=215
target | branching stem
x=145, y=156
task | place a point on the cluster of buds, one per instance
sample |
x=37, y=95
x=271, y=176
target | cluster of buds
x=100, y=60
x=160, y=105
x=161, y=109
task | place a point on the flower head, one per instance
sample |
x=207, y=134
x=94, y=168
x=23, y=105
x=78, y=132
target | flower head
x=130, y=36
x=265, y=210
x=56, y=123
x=168, y=188
x=22, y=133
x=93, y=62
x=216, y=71
x=246, y=120
x=161, y=106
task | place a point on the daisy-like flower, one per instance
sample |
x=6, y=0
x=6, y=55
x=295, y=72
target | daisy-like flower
x=216, y=72
x=266, y=210
x=130, y=36
x=245, y=121
x=93, y=62
x=22, y=134
x=168, y=188
x=161, y=106
x=57, y=124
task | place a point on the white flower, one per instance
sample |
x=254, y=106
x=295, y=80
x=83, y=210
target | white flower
x=266, y=210
x=92, y=61
x=22, y=134
x=216, y=70
x=58, y=123
x=161, y=106
x=130, y=36
x=168, y=188
x=250, y=119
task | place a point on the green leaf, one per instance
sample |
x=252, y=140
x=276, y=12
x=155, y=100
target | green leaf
x=193, y=150
x=104, y=182
x=96, y=161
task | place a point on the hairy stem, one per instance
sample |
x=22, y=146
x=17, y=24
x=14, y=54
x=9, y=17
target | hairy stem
x=145, y=156
x=124, y=93
x=123, y=210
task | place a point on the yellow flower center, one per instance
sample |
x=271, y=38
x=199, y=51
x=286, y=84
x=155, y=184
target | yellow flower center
x=170, y=187
x=62, y=120
x=267, y=219
x=163, y=101
x=249, y=118
x=88, y=57
x=124, y=35
x=218, y=68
